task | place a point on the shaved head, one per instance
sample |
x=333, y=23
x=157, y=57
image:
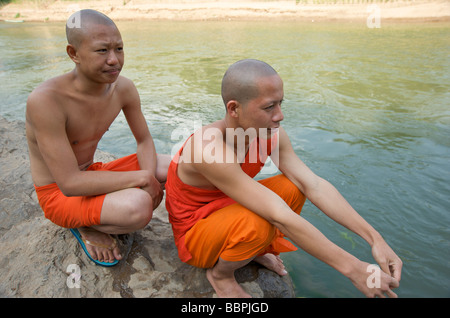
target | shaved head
x=240, y=81
x=79, y=22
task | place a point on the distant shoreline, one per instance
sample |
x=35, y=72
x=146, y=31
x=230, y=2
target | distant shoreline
x=232, y=10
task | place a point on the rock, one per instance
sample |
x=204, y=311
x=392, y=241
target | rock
x=40, y=259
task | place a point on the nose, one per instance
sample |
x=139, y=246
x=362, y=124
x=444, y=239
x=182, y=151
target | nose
x=278, y=114
x=112, y=58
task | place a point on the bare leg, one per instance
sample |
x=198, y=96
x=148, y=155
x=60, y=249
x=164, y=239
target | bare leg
x=100, y=253
x=162, y=166
x=272, y=262
x=222, y=279
x=123, y=211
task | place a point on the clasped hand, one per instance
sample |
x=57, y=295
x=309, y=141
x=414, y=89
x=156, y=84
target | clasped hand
x=387, y=278
x=155, y=189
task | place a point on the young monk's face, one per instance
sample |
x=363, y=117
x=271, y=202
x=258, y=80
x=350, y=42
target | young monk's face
x=101, y=53
x=264, y=111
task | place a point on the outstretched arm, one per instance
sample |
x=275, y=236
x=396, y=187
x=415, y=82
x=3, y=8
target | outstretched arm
x=230, y=179
x=326, y=197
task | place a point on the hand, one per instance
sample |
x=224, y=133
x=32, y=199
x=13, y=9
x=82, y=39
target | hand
x=373, y=283
x=155, y=189
x=389, y=262
x=379, y=283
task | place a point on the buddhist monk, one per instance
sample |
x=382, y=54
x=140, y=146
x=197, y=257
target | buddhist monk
x=66, y=117
x=222, y=218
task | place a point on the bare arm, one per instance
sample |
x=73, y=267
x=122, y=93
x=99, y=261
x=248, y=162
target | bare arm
x=48, y=121
x=146, y=151
x=229, y=178
x=325, y=196
x=132, y=110
x=321, y=193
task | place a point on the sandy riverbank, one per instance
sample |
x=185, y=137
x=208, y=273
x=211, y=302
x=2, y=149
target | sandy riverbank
x=401, y=10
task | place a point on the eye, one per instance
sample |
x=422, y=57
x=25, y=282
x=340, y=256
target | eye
x=101, y=50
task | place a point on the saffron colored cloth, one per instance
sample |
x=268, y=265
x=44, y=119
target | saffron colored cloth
x=190, y=206
x=81, y=211
x=235, y=233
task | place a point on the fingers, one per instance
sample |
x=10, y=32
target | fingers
x=383, y=294
x=157, y=199
x=394, y=283
x=391, y=294
x=384, y=267
x=396, y=270
x=382, y=285
x=388, y=291
x=389, y=262
x=156, y=192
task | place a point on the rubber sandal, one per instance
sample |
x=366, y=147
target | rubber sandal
x=83, y=243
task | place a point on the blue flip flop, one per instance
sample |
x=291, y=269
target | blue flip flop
x=77, y=235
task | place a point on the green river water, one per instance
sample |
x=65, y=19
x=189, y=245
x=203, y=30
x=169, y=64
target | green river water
x=367, y=109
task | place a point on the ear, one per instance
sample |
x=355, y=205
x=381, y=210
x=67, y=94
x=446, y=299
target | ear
x=233, y=107
x=72, y=52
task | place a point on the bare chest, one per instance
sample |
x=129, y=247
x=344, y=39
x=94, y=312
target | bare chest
x=88, y=122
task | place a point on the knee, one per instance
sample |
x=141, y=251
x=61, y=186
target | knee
x=258, y=230
x=290, y=193
x=248, y=238
x=140, y=210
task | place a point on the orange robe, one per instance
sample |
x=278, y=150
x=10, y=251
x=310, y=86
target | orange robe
x=198, y=215
x=79, y=211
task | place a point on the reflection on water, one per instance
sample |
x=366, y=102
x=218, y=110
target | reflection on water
x=367, y=109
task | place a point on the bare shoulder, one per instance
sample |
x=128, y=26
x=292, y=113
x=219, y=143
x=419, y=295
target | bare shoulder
x=285, y=146
x=194, y=148
x=123, y=82
x=44, y=99
x=202, y=154
x=125, y=87
x=126, y=91
x=283, y=137
x=208, y=143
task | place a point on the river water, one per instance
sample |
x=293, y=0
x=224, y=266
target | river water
x=367, y=109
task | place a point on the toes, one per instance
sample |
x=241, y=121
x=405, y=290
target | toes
x=116, y=254
x=108, y=257
x=103, y=257
x=94, y=255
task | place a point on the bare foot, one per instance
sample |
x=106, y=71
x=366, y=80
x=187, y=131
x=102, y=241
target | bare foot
x=272, y=262
x=225, y=287
x=100, y=245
